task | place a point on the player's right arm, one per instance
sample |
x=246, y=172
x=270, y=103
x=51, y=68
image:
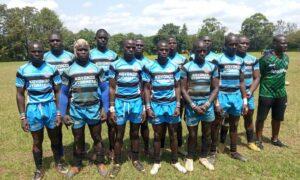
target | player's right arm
x=112, y=94
x=20, y=97
x=147, y=92
x=64, y=99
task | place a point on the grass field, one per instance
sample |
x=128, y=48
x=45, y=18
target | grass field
x=16, y=161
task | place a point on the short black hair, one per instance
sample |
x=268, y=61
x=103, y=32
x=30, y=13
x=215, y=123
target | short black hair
x=56, y=32
x=102, y=31
x=161, y=42
x=277, y=37
x=229, y=37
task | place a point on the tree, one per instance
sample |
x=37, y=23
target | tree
x=68, y=39
x=284, y=28
x=183, y=39
x=213, y=28
x=166, y=31
x=45, y=22
x=294, y=40
x=259, y=30
x=170, y=29
x=115, y=42
x=88, y=35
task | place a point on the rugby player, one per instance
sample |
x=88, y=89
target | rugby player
x=199, y=87
x=42, y=82
x=59, y=58
x=232, y=98
x=272, y=93
x=162, y=96
x=139, y=55
x=103, y=57
x=252, y=76
x=81, y=82
x=126, y=103
x=211, y=56
x=180, y=60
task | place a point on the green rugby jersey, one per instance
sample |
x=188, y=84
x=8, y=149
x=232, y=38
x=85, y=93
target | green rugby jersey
x=273, y=70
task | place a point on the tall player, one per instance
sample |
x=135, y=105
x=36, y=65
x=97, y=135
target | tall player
x=59, y=58
x=252, y=76
x=126, y=103
x=162, y=96
x=139, y=55
x=81, y=81
x=199, y=87
x=179, y=60
x=232, y=97
x=272, y=93
x=103, y=57
x=42, y=83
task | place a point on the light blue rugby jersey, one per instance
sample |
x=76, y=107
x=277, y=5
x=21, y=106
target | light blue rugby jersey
x=178, y=59
x=145, y=61
x=38, y=81
x=210, y=57
x=199, y=78
x=251, y=64
x=83, y=82
x=128, y=76
x=162, y=79
x=230, y=69
x=61, y=62
x=103, y=59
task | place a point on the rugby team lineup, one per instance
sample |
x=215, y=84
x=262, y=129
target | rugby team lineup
x=96, y=86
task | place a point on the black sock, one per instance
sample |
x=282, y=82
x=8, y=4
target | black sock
x=249, y=134
x=38, y=159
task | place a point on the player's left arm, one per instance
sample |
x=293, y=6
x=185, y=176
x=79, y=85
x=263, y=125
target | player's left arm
x=243, y=92
x=214, y=90
x=177, y=92
x=256, y=80
x=256, y=77
x=56, y=79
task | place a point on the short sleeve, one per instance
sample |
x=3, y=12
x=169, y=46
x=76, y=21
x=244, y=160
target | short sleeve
x=183, y=73
x=243, y=68
x=177, y=74
x=56, y=78
x=262, y=65
x=65, y=78
x=20, y=79
x=215, y=72
x=145, y=74
x=111, y=72
x=256, y=65
x=102, y=76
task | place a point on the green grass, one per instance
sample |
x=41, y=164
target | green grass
x=16, y=160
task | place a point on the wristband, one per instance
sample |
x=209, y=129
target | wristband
x=58, y=113
x=144, y=108
x=178, y=104
x=22, y=114
x=148, y=107
x=206, y=105
x=249, y=94
x=193, y=105
x=112, y=109
x=217, y=104
x=245, y=101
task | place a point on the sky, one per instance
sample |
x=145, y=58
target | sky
x=147, y=17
